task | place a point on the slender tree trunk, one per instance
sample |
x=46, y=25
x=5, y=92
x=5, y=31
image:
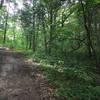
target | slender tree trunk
x=30, y=41
x=14, y=34
x=62, y=23
x=33, y=25
x=45, y=38
x=87, y=25
x=5, y=30
x=44, y=32
x=51, y=31
x=89, y=43
x=26, y=42
x=1, y=3
x=14, y=27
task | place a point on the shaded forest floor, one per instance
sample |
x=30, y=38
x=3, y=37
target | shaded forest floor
x=21, y=79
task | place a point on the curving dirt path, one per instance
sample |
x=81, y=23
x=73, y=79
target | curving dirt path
x=17, y=81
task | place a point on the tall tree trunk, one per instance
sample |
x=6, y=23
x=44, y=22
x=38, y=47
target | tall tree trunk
x=53, y=15
x=1, y=3
x=87, y=25
x=44, y=32
x=30, y=41
x=51, y=31
x=45, y=38
x=14, y=35
x=14, y=26
x=33, y=41
x=27, y=41
x=33, y=26
x=5, y=30
x=89, y=42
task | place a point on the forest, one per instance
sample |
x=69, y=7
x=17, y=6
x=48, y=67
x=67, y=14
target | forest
x=62, y=37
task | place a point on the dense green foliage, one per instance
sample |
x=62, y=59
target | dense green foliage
x=63, y=37
x=76, y=79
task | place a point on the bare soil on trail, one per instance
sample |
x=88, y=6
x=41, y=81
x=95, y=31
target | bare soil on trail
x=15, y=81
x=19, y=79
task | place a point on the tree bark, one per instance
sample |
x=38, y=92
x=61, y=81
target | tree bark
x=33, y=26
x=5, y=30
x=87, y=25
x=89, y=43
x=1, y=3
x=45, y=38
x=51, y=31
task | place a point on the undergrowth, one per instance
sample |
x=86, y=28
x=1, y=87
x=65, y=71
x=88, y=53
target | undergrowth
x=73, y=78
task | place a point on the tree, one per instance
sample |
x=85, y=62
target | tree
x=5, y=29
x=1, y=3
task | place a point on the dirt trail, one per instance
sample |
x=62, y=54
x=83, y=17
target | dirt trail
x=16, y=80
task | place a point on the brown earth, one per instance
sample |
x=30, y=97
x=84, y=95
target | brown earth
x=20, y=79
